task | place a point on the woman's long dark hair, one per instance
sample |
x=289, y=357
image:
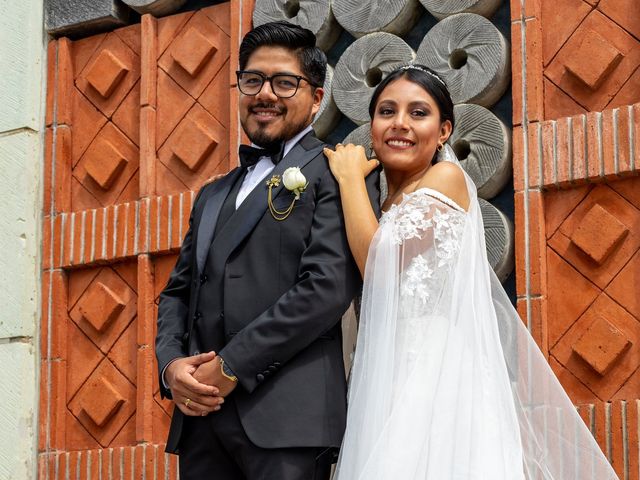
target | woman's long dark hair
x=429, y=80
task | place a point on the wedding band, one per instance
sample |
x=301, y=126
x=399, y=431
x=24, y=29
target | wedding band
x=187, y=402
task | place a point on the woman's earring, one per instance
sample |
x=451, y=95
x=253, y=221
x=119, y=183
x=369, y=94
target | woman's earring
x=440, y=147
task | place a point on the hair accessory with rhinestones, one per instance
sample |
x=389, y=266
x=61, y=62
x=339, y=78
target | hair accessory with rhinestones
x=412, y=66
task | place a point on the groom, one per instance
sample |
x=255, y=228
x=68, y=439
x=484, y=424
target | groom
x=262, y=280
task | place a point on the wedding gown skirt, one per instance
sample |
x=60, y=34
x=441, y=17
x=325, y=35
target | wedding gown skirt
x=447, y=383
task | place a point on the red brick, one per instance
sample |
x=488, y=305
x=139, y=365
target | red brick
x=145, y=339
x=84, y=49
x=535, y=86
x=144, y=226
x=59, y=236
x=623, y=136
x=120, y=231
x=549, y=155
x=110, y=74
x=149, y=69
x=599, y=233
x=154, y=224
x=62, y=166
x=52, y=48
x=570, y=294
x=559, y=21
x=531, y=9
x=558, y=104
x=537, y=243
x=111, y=232
x=595, y=165
x=163, y=220
x=127, y=116
x=220, y=15
x=175, y=240
x=100, y=240
x=558, y=205
x=624, y=288
x=629, y=189
x=578, y=165
x=168, y=27
x=576, y=390
x=535, y=155
x=629, y=93
x=148, y=152
x=132, y=36
x=601, y=345
x=624, y=13
x=609, y=145
x=563, y=168
x=64, y=86
x=611, y=79
x=516, y=76
x=518, y=158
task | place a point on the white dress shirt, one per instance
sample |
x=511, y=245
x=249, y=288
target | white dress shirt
x=256, y=173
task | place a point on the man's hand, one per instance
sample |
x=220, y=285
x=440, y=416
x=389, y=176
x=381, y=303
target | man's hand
x=190, y=396
x=210, y=373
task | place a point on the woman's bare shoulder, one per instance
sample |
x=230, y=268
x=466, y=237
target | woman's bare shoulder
x=448, y=179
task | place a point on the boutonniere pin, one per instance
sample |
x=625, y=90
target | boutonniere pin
x=295, y=182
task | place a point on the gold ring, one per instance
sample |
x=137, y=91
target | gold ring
x=187, y=402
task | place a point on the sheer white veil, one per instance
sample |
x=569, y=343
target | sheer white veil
x=458, y=390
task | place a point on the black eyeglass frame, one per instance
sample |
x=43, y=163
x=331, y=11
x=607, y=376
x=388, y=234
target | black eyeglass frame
x=266, y=78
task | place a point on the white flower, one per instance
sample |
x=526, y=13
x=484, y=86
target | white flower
x=294, y=180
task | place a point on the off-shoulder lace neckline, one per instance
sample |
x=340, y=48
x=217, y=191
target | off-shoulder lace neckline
x=432, y=193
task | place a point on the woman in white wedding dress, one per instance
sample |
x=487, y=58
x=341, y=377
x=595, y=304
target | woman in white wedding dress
x=447, y=383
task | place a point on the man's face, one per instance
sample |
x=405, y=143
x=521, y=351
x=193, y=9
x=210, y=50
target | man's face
x=267, y=119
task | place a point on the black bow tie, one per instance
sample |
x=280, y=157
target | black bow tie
x=249, y=155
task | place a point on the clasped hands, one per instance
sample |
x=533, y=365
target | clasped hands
x=197, y=384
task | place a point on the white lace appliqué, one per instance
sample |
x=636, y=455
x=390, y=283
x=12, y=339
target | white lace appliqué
x=430, y=217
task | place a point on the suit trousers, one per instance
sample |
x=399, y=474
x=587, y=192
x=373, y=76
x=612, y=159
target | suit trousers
x=216, y=447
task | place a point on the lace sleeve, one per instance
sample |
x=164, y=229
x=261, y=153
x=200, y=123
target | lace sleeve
x=427, y=227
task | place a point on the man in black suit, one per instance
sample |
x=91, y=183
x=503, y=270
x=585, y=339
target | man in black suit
x=262, y=280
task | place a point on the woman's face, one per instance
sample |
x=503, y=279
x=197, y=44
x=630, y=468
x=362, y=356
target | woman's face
x=406, y=127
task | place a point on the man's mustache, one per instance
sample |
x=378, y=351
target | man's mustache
x=268, y=106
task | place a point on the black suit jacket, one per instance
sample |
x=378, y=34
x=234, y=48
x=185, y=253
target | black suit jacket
x=268, y=296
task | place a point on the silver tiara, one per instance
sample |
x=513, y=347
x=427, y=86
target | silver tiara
x=418, y=67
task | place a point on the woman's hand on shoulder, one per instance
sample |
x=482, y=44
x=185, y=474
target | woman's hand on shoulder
x=447, y=178
x=349, y=162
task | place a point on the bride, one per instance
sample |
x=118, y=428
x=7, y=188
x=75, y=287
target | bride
x=447, y=383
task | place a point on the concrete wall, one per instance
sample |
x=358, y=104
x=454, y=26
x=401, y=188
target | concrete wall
x=21, y=138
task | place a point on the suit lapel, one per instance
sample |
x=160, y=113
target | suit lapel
x=244, y=220
x=210, y=213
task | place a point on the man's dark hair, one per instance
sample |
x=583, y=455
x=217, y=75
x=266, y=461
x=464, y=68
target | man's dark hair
x=302, y=41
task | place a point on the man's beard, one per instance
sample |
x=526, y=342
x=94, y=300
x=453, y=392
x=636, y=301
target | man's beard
x=260, y=137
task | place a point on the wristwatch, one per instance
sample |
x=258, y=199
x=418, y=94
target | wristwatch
x=226, y=371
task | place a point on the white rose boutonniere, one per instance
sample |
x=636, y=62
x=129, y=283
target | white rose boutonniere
x=295, y=182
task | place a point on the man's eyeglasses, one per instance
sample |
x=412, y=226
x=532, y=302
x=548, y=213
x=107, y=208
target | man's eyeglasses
x=284, y=86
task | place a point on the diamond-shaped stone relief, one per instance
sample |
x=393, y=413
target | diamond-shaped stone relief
x=196, y=143
x=606, y=338
x=123, y=354
x=215, y=97
x=625, y=288
x=104, y=403
x=192, y=51
x=605, y=246
x=194, y=66
x=173, y=105
x=196, y=148
x=120, y=303
x=87, y=122
x=109, y=75
x=604, y=58
x=601, y=345
x=100, y=305
x=127, y=116
x=598, y=234
x=99, y=400
x=104, y=162
x=107, y=165
x=83, y=356
x=595, y=62
x=106, y=72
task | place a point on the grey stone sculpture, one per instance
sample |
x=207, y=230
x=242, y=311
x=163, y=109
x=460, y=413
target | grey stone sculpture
x=80, y=17
x=360, y=17
x=157, y=8
x=328, y=116
x=499, y=238
x=315, y=15
x=442, y=9
x=361, y=67
x=473, y=57
x=483, y=146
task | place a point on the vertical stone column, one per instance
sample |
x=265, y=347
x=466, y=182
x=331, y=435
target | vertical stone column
x=21, y=135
